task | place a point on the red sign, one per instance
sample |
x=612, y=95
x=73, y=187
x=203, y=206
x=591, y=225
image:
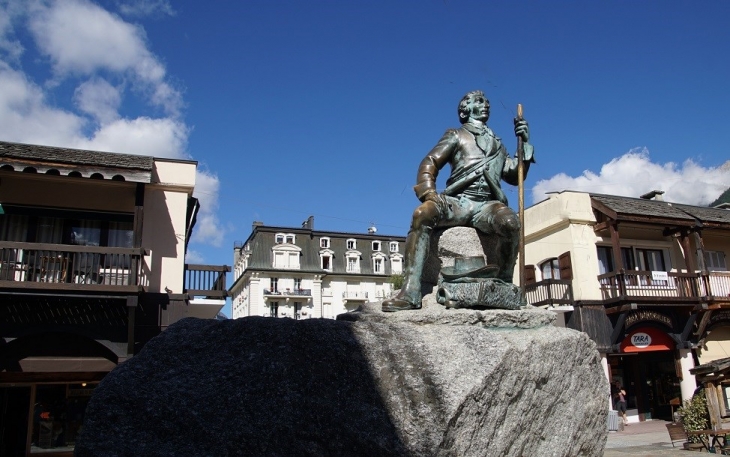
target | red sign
x=647, y=339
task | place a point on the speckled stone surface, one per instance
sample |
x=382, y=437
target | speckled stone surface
x=432, y=382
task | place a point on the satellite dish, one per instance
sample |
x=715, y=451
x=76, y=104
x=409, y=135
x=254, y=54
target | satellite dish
x=372, y=229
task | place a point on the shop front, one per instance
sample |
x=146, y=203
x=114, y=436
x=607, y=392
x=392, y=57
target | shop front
x=42, y=418
x=648, y=368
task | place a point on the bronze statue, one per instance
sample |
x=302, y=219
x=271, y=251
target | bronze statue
x=473, y=196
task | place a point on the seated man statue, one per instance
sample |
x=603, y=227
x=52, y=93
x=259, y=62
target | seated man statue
x=473, y=196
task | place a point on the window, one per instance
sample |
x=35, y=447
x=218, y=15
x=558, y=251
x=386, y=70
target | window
x=325, y=259
x=279, y=238
x=353, y=264
x=650, y=260
x=274, y=282
x=324, y=243
x=715, y=261
x=274, y=309
x=376, y=246
x=393, y=246
x=396, y=265
x=297, y=310
x=550, y=269
x=606, y=262
x=286, y=257
x=297, y=283
x=351, y=244
x=290, y=239
x=378, y=266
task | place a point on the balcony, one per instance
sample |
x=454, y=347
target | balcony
x=207, y=281
x=289, y=292
x=550, y=292
x=660, y=287
x=61, y=267
x=355, y=296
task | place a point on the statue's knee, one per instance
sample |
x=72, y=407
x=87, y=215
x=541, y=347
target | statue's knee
x=507, y=222
x=426, y=215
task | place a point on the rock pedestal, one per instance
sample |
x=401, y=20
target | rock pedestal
x=433, y=382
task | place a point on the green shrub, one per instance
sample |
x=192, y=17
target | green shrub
x=694, y=415
x=397, y=280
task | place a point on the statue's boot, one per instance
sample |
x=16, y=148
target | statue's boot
x=508, y=250
x=409, y=297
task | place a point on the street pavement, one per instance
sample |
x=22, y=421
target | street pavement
x=647, y=439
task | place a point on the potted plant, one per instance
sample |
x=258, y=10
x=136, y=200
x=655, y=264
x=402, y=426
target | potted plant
x=693, y=415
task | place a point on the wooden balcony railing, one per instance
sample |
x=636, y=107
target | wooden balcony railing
x=549, y=292
x=716, y=284
x=669, y=287
x=206, y=280
x=69, y=267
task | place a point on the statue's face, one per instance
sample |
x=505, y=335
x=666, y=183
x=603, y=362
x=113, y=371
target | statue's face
x=479, y=108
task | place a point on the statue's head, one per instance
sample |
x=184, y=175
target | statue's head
x=466, y=106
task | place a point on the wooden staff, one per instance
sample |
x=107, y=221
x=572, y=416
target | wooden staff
x=521, y=203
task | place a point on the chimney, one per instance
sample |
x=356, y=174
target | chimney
x=654, y=195
x=256, y=224
x=309, y=223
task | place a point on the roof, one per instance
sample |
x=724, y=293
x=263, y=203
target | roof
x=638, y=209
x=64, y=161
x=262, y=241
x=628, y=206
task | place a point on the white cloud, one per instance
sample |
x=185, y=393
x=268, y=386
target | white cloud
x=144, y=136
x=634, y=174
x=194, y=257
x=208, y=228
x=145, y=7
x=81, y=38
x=83, y=41
x=99, y=99
x=26, y=116
x=9, y=45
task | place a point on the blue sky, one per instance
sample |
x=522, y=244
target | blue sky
x=325, y=108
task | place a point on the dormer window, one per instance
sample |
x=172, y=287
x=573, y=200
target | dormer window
x=393, y=246
x=352, y=244
x=376, y=246
x=279, y=238
x=290, y=239
x=324, y=243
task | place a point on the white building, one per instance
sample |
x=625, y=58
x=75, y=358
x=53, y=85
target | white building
x=303, y=273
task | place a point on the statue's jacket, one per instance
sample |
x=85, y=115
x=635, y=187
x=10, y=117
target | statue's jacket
x=478, y=162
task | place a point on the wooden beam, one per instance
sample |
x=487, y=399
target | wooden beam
x=618, y=329
x=131, y=308
x=703, y=323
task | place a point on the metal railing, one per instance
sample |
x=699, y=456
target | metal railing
x=70, y=267
x=206, y=280
x=355, y=295
x=291, y=292
x=549, y=292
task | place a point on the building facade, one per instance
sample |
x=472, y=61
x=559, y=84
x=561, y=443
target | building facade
x=646, y=279
x=92, y=266
x=302, y=273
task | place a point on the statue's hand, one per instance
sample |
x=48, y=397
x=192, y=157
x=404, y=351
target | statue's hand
x=522, y=130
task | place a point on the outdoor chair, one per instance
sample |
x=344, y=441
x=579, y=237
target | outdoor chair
x=86, y=268
x=676, y=433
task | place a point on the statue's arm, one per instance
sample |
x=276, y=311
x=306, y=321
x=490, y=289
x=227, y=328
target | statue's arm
x=432, y=163
x=509, y=173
